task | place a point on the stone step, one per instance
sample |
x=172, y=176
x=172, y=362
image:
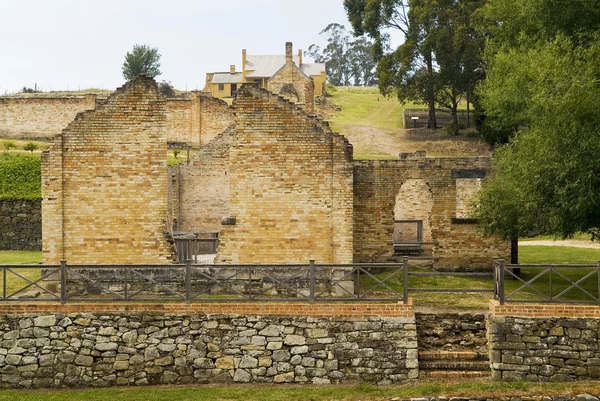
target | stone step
x=452, y=355
x=448, y=374
x=456, y=365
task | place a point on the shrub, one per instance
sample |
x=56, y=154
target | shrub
x=20, y=176
x=30, y=146
x=8, y=145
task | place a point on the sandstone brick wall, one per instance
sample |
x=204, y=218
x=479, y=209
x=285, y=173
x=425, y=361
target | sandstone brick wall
x=40, y=117
x=20, y=225
x=147, y=345
x=104, y=183
x=290, y=185
x=200, y=188
x=377, y=185
x=215, y=117
x=292, y=84
x=178, y=120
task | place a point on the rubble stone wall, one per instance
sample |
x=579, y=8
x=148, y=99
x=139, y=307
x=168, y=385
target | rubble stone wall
x=20, y=225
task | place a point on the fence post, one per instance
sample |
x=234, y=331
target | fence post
x=63, y=282
x=501, y=279
x=405, y=279
x=188, y=280
x=598, y=295
x=311, y=275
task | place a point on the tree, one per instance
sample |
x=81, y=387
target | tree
x=166, y=89
x=347, y=62
x=547, y=178
x=30, y=146
x=8, y=145
x=440, y=59
x=143, y=59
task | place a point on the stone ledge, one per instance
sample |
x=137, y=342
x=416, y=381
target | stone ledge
x=395, y=310
x=543, y=310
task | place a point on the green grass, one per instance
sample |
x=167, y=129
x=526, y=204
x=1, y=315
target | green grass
x=579, y=237
x=366, y=106
x=536, y=254
x=20, y=257
x=13, y=282
x=364, y=392
x=20, y=176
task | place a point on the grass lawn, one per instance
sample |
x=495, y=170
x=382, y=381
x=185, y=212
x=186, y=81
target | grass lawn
x=14, y=282
x=364, y=392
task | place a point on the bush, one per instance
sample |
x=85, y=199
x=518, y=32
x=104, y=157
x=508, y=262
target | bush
x=166, y=89
x=20, y=176
x=8, y=145
x=30, y=146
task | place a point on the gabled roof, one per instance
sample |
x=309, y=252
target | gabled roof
x=227, y=78
x=267, y=66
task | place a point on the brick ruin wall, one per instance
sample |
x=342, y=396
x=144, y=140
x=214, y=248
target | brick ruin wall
x=20, y=225
x=195, y=119
x=377, y=185
x=104, y=185
x=152, y=345
x=199, y=190
x=40, y=117
x=288, y=77
x=290, y=185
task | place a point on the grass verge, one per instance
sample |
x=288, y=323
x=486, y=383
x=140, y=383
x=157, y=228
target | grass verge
x=364, y=392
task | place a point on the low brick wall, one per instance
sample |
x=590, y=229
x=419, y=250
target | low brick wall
x=138, y=344
x=20, y=225
x=544, y=342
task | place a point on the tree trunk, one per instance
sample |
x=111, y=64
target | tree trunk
x=468, y=110
x=432, y=120
x=514, y=255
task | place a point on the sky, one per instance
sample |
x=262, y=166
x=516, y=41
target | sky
x=80, y=44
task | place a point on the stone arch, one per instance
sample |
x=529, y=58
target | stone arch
x=414, y=202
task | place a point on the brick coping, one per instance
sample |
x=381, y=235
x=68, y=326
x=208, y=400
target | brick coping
x=291, y=309
x=544, y=310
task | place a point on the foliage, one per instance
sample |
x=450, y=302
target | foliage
x=441, y=57
x=347, y=62
x=8, y=145
x=30, y=146
x=547, y=179
x=20, y=176
x=166, y=89
x=143, y=59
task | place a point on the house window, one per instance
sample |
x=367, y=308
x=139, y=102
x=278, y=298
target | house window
x=258, y=82
x=221, y=87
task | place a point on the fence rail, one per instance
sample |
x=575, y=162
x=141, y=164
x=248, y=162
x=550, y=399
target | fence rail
x=549, y=283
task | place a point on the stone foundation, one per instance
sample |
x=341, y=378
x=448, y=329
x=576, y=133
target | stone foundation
x=20, y=225
x=197, y=344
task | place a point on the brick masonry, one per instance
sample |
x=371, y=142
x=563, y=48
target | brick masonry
x=195, y=119
x=429, y=187
x=537, y=342
x=290, y=83
x=95, y=345
x=20, y=225
x=290, y=185
x=104, y=185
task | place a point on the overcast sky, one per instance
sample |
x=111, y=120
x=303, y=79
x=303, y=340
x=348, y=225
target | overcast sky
x=73, y=44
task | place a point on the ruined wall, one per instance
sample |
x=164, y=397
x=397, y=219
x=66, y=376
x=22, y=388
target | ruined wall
x=200, y=188
x=206, y=344
x=290, y=185
x=104, y=186
x=290, y=83
x=215, y=117
x=376, y=188
x=178, y=119
x=20, y=225
x=40, y=117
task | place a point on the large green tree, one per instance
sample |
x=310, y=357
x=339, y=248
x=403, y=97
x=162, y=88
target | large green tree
x=441, y=57
x=543, y=82
x=143, y=59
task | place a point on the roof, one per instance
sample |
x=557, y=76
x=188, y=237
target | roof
x=267, y=66
x=227, y=78
x=312, y=69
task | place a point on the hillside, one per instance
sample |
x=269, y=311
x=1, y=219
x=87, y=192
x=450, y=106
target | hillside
x=373, y=124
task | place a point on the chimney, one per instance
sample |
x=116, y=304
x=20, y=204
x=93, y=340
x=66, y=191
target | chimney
x=244, y=65
x=232, y=69
x=288, y=52
x=299, y=58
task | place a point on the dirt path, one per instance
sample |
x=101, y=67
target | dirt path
x=568, y=242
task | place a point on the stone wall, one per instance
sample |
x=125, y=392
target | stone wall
x=292, y=84
x=200, y=188
x=290, y=185
x=150, y=345
x=195, y=119
x=544, y=342
x=378, y=193
x=40, y=117
x=20, y=225
x=452, y=331
x=104, y=183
